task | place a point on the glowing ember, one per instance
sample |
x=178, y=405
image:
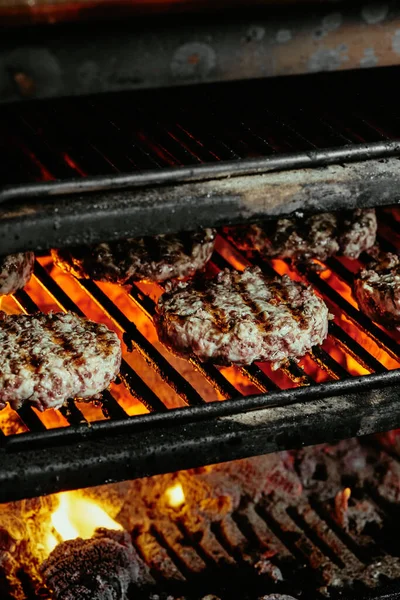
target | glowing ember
x=175, y=496
x=76, y=517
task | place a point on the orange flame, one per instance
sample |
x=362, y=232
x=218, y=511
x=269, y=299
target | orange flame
x=175, y=495
x=75, y=517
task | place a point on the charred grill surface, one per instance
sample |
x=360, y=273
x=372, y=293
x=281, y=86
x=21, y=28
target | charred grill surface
x=319, y=523
x=348, y=386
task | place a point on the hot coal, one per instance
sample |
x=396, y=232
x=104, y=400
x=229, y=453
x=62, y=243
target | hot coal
x=101, y=568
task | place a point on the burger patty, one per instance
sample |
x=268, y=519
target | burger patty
x=239, y=318
x=141, y=259
x=319, y=236
x=377, y=290
x=15, y=271
x=46, y=359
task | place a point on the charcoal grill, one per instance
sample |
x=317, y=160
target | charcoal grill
x=74, y=170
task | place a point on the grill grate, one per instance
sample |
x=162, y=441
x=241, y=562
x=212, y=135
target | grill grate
x=132, y=153
x=180, y=396
x=291, y=540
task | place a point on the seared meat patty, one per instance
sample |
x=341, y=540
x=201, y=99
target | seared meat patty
x=239, y=318
x=319, y=236
x=46, y=359
x=15, y=271
x=377, y=290
x=143, y=259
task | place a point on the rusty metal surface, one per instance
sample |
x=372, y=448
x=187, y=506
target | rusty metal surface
x=63, y=60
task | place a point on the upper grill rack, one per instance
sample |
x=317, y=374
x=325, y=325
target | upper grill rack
x=110, y=134
x=41, y=458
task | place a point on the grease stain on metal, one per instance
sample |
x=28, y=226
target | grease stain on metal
x=328, y=59
x=283, y=36
x=369, y=59
x=396, y=41
x=255, y=33
x=374, y=13
x=193, y=59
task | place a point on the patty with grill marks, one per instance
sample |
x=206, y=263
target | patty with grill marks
x=347, y=233
x=46, y=359
x=377, y=290
x=239, y=318
x=141, y=259
x=15, y=271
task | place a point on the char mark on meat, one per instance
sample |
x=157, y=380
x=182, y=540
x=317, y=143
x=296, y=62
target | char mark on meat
x=239, y=318
x=156, y=258
x=377, y=290
x=348, y=233
x=46, y=359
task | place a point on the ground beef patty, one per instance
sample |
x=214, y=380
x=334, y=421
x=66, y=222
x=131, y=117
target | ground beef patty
x=15, y=271
x=239, y=318
x=143, y=259
x=46, y=359
x=377, y=290
x=319, y=236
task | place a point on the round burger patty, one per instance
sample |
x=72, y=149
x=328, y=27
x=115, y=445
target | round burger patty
x=239, y=318
x=15, y=271
x=319, y=236
x=377, y=290
x=141, y=259
x=46, y=359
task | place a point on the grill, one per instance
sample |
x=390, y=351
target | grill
x=190, y=155
x=293, y=543
x=162, y=416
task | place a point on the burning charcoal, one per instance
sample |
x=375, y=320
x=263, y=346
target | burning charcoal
x=101, y=568
x=266, y=567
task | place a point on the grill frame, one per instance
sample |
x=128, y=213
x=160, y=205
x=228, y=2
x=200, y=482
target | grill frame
x=58, y=213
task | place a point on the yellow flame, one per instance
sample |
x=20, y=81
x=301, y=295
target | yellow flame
x=175, y=495
x=75, y=517
x=347, y=493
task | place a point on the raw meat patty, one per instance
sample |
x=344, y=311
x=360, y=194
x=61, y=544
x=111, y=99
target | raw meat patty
x=377, y=290
x=239, y=318
x=46, y=359
x=348, y=233
x=143, y=259
x=15, y=271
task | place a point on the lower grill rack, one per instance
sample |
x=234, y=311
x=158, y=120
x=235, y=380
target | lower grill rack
x=166, y=413
x=314, y=524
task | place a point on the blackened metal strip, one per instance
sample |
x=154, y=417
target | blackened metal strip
x=357, y=387
x=110, y=407
x=146, y=349
x=325, y=361
x=30, y=418
x=68, y=304
x=210, y=372
x=44, y=222
x=360, y=354
x=140, y=390
x=203, y=172
x=186, y=445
